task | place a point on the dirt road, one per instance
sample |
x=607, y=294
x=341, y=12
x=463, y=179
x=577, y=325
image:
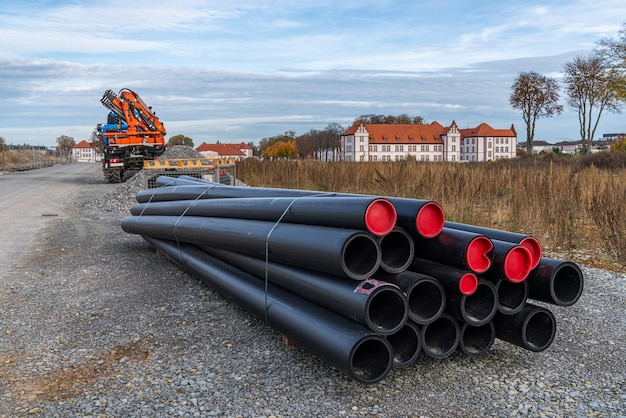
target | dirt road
x=30, y=199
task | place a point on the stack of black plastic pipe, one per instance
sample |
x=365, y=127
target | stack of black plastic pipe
x=366, y=283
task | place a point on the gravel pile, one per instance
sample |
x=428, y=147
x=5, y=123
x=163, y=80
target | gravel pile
x=95, y=324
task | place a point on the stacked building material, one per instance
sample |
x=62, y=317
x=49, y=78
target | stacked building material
x=367, y=283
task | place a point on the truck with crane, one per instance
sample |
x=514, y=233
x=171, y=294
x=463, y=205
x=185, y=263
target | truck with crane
x=133, y=134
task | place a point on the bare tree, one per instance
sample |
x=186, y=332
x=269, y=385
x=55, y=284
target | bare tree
x=65, y=144
x=536, y=96
x=590, y=86
x=613, y=51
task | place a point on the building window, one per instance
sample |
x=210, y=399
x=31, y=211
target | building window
x=361, y=148
x=399, y=148
x=453, y=148
x=453, y=157
x=399, y=157
x=489, y=144
x=489, y=154
x=373, y=158
x=373, y=148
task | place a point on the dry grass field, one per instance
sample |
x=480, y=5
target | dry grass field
x=574, y=206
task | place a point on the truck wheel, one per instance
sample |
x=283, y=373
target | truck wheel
x=113, y=176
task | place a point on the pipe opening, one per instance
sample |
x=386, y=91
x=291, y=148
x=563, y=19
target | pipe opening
x=517, y=264
x=387, y=310
x=361, y=256
x=538, y=330
x=468, y=284
x=427, y=301
x=397, y=251
x=533, y=245
x=380, y=217
x=429, y=220
x=371, y=360
x=406, y=345
x=479, y=307
x=567, y=285
x=441, y=337
x=511, y=296
x=479, y=254
x=477, y=340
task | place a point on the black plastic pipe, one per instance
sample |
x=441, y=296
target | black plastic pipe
x=375, y=215
x=357, y=352
x=427, y=223
x=397, y=251
x=531, y=243
x=456, y=248
x=375, y=304
x=476, y=341
x=346, y=252
x=475, y=309
x=425, y=295
x=441, y=337
x=532, y=328
x=556, y=281
x=406, y=344
x=421, y=218
x=511, y=296
x=512, y=262
x=452, y=279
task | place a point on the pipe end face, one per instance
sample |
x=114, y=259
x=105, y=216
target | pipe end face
x=468, y=284
x=517, y=264
x=479, y=254
x=430, y=220
x=380, y=217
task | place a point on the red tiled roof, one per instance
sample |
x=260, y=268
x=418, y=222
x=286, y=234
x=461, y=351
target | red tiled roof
x=380, y=133
x=243, y=145
x=485, y=130
x=84, y=144
x=222, y=149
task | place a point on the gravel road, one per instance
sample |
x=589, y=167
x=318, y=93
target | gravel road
x=94, y=324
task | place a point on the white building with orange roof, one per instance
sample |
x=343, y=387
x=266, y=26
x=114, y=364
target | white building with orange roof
x=224, y=150
x=432, y=142
x=85, y=151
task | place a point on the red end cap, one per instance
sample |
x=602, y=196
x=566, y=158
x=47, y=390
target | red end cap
x=468, y=284
x=380, y=217
x=429, y=220
x=479, y=254
x=533, y=245
x=517, y=264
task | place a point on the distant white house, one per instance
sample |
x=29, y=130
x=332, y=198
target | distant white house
x=236, y=151
x=85, y=152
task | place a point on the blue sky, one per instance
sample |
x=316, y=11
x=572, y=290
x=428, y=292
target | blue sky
x=245, y=70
